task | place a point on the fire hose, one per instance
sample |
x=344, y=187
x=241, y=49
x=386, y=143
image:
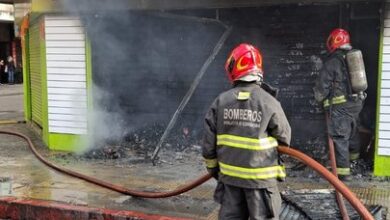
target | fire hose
x=332, y=157
x=337, y=184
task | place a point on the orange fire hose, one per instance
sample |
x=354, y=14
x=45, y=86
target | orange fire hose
x=339, y=197
x=339, y=186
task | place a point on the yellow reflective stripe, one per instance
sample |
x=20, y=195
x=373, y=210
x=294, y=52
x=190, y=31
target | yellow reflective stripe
x=246, y=143
x=211, y=163
x=252, y=173
x=343, y=171
x=243, y=95
x=335, y=100
x=354, y=156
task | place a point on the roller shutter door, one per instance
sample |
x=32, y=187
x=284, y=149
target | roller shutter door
x=35, y=73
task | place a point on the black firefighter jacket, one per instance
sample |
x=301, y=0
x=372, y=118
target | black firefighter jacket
x=242, y=130
x=332, y=85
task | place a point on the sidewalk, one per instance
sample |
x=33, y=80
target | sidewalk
x=36, y=187
x=11, y=102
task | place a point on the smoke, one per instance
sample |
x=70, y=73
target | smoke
x=143, y=63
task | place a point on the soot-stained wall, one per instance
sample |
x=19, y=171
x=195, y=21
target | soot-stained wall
x=145, y=62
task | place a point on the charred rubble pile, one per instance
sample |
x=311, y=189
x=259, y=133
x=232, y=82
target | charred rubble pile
x=140, y=144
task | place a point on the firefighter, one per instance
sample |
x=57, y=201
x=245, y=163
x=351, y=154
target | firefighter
x=242, y=129
x=342, y=103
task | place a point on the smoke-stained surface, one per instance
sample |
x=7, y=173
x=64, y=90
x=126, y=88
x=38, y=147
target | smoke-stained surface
x=144, y=62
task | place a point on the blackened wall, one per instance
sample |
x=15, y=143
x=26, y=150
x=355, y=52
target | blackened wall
x=159, y=56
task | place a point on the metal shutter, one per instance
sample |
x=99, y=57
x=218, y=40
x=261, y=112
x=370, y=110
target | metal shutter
x=35, y=73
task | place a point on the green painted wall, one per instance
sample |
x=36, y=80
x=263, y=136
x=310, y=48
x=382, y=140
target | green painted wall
x=34, y=68
x=26, y=77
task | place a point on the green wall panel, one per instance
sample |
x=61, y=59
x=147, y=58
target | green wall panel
x=35, y=72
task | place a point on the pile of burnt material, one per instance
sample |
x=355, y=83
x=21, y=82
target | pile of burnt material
x=140, y=144
x=320, y=204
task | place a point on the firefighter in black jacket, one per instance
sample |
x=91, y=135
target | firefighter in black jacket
x=334, y=89
x=242, y=129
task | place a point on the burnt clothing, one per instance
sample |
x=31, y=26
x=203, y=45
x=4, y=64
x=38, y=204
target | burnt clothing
x=343, y=128
x=242, y=130
x=333, y=89
x=256, y=204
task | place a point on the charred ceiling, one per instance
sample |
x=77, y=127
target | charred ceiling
x=90, y=5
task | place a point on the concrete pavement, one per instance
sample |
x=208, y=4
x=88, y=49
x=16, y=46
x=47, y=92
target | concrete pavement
x=11, y=102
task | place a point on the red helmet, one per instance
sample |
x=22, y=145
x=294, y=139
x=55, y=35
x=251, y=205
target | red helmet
x=245, y=59
x=337, y=38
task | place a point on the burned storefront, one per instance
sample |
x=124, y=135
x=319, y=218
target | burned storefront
x=143, y=75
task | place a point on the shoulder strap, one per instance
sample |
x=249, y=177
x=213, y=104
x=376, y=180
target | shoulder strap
x=342, y=58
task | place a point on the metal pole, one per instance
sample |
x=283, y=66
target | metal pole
x=187, y=97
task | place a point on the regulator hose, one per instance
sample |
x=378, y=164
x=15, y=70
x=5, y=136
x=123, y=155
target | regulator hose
x=338, y=185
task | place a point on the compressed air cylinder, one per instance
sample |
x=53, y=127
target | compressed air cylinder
x=357, y=72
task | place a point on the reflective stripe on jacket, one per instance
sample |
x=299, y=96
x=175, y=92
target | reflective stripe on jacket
x=242, y=130
x=332, y=82
x=335, y=100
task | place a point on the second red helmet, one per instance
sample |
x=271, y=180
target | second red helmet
x=244, y=60
x=337, y=38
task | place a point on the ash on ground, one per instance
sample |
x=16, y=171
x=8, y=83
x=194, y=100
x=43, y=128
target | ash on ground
x=361, y=169
x=182, y=145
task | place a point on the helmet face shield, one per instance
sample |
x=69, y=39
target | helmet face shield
x=244, y=60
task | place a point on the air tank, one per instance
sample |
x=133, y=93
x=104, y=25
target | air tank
x=357, y=72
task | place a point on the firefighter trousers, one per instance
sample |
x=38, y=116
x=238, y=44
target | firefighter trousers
x=243, y=204
x=343, y=129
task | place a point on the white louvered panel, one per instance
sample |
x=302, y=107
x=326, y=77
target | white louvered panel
x=67, y=37
x=65, y=57
x=65, y=130
x=385, y=84
x=72, y=78
x=63, y=71
x=384, y=109
x=68, y=124
x=386, y=74
x=384, y=126
x=62, y=91
x=67, y=104
x=64, y=50
x=386, y=40
x=384, y=118
x=384, y=142
x=69, y=111
x=384, y=151
x=79, y=98
x=66, y=64
x=71, y=85
x=386, y=32
x=385, y=66
x=386, y=57
x=63, y=23
x=62, y=117
x=66, y=44
x=384, y=135
x=385, y=100
x=387, y=23
x=386, y=49
x=64, y=30
x=66, y=75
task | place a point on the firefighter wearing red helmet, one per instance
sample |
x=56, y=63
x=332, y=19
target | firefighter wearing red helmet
x=341, y=92
x=242, y=129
